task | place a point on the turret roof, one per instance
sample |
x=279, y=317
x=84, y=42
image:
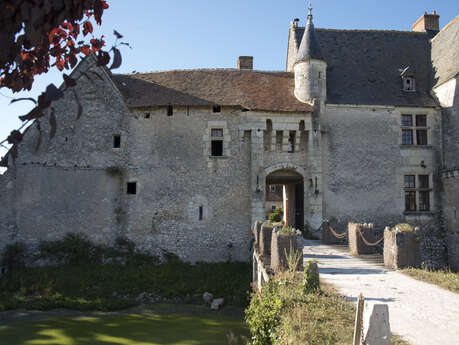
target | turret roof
x=309, y=47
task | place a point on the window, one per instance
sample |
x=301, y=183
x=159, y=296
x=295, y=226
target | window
x=417, y=196
x=170, y=110
x=131, y=188
x=216, y=109
x=216, y=135
x=414, y=133
x=291, y=142
x=424, y=193
x=146, y=115
x=273, y=207
x=421, y=129
x=201, y=213
x=116, y=141
x=409, y=84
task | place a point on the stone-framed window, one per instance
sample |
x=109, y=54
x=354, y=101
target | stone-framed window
x=414, y=129
x=417, y=193
x=216, y=140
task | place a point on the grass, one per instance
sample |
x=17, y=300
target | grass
x=284, y=315
x=445, y=279
x=189, y=326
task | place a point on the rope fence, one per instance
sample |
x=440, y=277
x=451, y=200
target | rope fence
x=369, y=243
x=338, y=236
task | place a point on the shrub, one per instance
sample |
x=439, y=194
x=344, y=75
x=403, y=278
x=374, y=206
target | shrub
x=74, y=248
x=13, y=255
x=263, y=314
x=276, y=215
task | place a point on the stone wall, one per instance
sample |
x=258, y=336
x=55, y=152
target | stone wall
x=77, y=181
x=364, y=164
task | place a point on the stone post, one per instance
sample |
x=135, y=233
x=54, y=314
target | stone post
x=376, y=326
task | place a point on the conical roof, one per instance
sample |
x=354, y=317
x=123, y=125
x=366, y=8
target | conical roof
x=309, y=47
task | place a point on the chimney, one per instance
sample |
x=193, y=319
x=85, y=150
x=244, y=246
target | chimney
x=245, y=62
x=427, y=22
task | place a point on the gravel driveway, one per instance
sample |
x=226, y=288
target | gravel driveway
x=421, y=313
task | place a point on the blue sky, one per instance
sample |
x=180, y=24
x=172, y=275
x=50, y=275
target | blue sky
x=183, y=34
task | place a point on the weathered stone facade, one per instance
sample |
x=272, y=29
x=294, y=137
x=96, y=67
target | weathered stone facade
x=180, y=160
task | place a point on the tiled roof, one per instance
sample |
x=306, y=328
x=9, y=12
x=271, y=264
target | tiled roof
x=364, y=66
x=253, y=90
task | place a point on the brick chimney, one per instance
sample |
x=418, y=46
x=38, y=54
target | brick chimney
x=427, y=22
x=245, y=62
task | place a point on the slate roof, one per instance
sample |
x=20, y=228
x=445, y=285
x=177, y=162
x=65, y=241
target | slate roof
x=309, y=48
x=363, y=66
x=253, y=90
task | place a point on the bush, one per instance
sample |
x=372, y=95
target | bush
x=13, y=255
x=73, y=249
x=276, y=216
x=263, y=314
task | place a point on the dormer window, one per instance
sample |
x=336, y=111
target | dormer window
x=409, y=84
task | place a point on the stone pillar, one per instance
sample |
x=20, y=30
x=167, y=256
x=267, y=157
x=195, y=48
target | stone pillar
x=290, y=205
x=315, y=190
x=257, y=183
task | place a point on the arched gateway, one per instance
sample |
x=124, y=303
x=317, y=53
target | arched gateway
x=287, y=185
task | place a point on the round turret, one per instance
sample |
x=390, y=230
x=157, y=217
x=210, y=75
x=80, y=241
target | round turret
x=310, y=68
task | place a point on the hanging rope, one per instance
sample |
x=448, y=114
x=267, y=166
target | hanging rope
x=369, y=243
x=339, y=236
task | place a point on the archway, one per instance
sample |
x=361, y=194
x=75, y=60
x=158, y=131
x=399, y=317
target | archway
x=287, y=185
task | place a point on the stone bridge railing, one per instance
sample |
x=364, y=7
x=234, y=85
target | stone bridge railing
x=271, y=249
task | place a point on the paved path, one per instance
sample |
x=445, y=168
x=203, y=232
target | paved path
x=421, y=313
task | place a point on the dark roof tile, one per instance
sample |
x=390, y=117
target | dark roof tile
x=364, y=66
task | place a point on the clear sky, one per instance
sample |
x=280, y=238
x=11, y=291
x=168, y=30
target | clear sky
x=183, y=34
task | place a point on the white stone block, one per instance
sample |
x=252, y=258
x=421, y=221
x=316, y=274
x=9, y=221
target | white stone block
x=376, y=326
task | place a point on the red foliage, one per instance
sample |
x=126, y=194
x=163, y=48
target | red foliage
x=39, y=34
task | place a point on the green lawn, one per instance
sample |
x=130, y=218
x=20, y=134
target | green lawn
x=146, y=328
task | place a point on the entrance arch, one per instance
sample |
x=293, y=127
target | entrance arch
x=290, y=182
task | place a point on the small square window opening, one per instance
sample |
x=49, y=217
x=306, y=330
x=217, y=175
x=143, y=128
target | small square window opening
x=146, y=115
x=170, y=110
x=131, y=188
x=216, y=109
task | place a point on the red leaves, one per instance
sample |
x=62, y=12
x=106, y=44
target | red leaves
x=56, y=35
x=87, y=28
x=32, y=31
x=86, y=50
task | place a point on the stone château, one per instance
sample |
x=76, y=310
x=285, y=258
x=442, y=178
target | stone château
x=363, y=125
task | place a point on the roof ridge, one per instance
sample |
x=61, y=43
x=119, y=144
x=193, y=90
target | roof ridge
x=205, y=70
x=367, y=30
